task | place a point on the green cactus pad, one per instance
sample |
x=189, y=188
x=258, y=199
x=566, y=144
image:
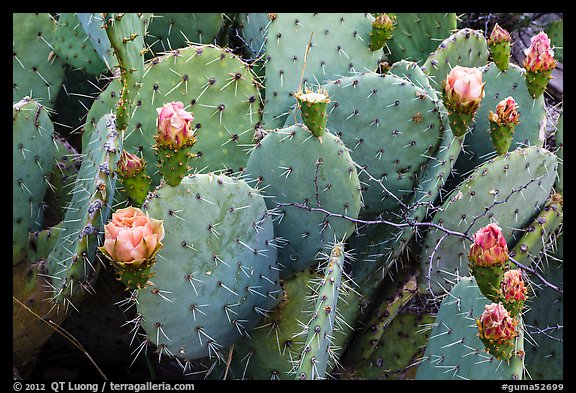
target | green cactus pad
x=293, y=166
x=544, y=321
x=172, y=30
x=217, y=272
x=454, y=351
x=275, y=344
x=418, y=34
x=33, y=153
x=41, y=243
x=126, y=34
x=64, y=172
x=72, y=44
x=396, y=355
x=559, y=135
x=499, y=85
x=340, y=46
x=509, y=190
x=36, y=72
x=500, y=54
x=413, y=72
x=102, y=105
x=92, y=26
x=391, y=128
x=218, y=88
x=72, y=265
x=466, y=48
x=555, y=31
x=397, y=292
x=254, y=32
x=538, y=235
x=319, y=329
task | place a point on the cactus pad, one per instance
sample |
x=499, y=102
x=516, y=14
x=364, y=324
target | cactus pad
x=216, y=274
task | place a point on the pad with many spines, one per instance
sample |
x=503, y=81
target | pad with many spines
x=274, y=345
x=396, y=354
x=509, y=190
x=72, y=265
x=545, y=319
x=530, y=130
x=216, y=274
x=319, y=329
x=559, y=138
x=74, y=47
x=33, y=154
x=391, y=127
x=454, y=351
x=413, y=72
x=292, y=166
x=340, y=46
x=92, y=26
x=218, y=88
x=172, y=30
x=126, y=34
x=466, y=48
x=417, y=34
x=254, y=32
x=64, y=172
x=36, y=72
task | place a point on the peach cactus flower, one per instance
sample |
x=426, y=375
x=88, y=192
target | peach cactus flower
x=132, y=238
x=540, y=55
x=174, y=125
x=464, y=89
x=489, y=248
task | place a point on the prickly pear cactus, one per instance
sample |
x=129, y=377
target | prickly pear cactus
x=530, y=130
x=509, y=190
x=166, y=31
x=36, y=71
x=339, y=46
x=454, y=350
x=72, y=266
x=33, y=153
x=292, y=166
x=218, y=88
x=73, y=45
x=466, y=48
x=391, y=127
x=217, y=273
x=416, y=35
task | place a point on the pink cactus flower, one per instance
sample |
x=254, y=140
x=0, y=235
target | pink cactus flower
x=489, y=248
x=130, y=164
x=385, y=21
x=540, y=55
x=506, y=112
x=496, y=324
x=464, y=89
x=131, y=238
x=499, y=35
x=174, y=125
